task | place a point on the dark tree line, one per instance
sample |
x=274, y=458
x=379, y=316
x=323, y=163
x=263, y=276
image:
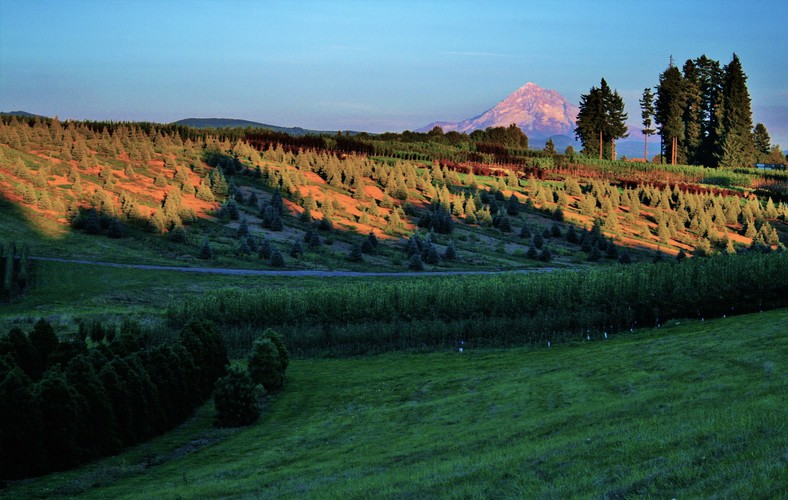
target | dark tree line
x=68, y=401
x=703, y=113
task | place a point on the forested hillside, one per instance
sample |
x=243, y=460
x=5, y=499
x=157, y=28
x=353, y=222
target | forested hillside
x=396, y=201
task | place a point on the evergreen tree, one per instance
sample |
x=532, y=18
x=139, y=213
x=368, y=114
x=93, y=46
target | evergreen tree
x=670, y=113
x=571, y=235
x=177, y=235
x=20, y=427
x=276, y=223
x=513, y=206
x=601, y=118
x=265, y=365
x=277, y=203
x=44, y=341
x=647, y=113
x=62, y=420
x=206, y=252
x=237, y=398
x=370, y=244
x=277, y=260
x=738, y=147
x=710, y=76
x=504, y=225
x=297, y=250
x=549, y=147
x=451, y=251
x=762, y=142
x=538, y=241
x=693, y=114
x=243, y=229
x=115, y=229
x=279, y=342
x=265, y=250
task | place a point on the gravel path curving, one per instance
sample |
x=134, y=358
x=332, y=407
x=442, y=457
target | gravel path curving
x=295, y=273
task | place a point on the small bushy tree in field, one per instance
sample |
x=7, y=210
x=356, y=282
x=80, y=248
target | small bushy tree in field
x=279, y=342
x=206, y=252
x=451, y=252
x=265, y=365
x=237, y=398
x=415, y=263
x=277, y=259
x=356, y=254
x=538, y=241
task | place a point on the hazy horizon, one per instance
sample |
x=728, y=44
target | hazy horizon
x=383, y=66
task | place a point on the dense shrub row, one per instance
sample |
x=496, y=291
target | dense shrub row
x=497, y=309
x=69, y=401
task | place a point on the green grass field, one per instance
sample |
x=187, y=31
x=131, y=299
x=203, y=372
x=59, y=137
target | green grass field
x=692, y=409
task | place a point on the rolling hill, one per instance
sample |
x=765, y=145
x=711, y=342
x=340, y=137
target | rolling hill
x=219, y=123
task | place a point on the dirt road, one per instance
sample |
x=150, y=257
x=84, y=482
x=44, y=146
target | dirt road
x=295, y=273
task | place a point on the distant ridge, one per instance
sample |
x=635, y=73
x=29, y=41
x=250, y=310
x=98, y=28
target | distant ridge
x=236, y=123
x=24, y=114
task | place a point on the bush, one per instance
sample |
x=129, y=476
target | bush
x=206, y=252
x=237, y=399
x=355, y=254
x=279, y=342
x=277, y=260
x=505, y=226
x=451, y=252
x=297, y=250
x=265, y=365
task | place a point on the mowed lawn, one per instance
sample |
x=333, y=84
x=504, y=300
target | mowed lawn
x=687, y=410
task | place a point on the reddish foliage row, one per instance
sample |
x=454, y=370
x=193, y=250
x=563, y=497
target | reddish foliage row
x=634, y=183
x=486, y=169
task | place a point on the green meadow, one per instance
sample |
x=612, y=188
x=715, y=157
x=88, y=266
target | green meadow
x=691, y=409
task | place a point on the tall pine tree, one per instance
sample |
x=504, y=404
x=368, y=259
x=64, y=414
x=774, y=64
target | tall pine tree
x=600, y=121
x=670, y=112
x=693, y=114
x=710, y=77
x=647, y=113
x=738, y=147
x=762, y=142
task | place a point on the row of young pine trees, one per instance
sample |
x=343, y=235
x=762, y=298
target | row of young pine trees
x=72, y=398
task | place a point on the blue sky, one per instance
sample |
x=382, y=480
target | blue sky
x=367, y=65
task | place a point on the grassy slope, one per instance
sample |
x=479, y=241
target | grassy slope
x=688, y=410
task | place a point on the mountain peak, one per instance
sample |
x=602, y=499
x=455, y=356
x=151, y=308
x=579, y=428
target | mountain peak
x=537, y=111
